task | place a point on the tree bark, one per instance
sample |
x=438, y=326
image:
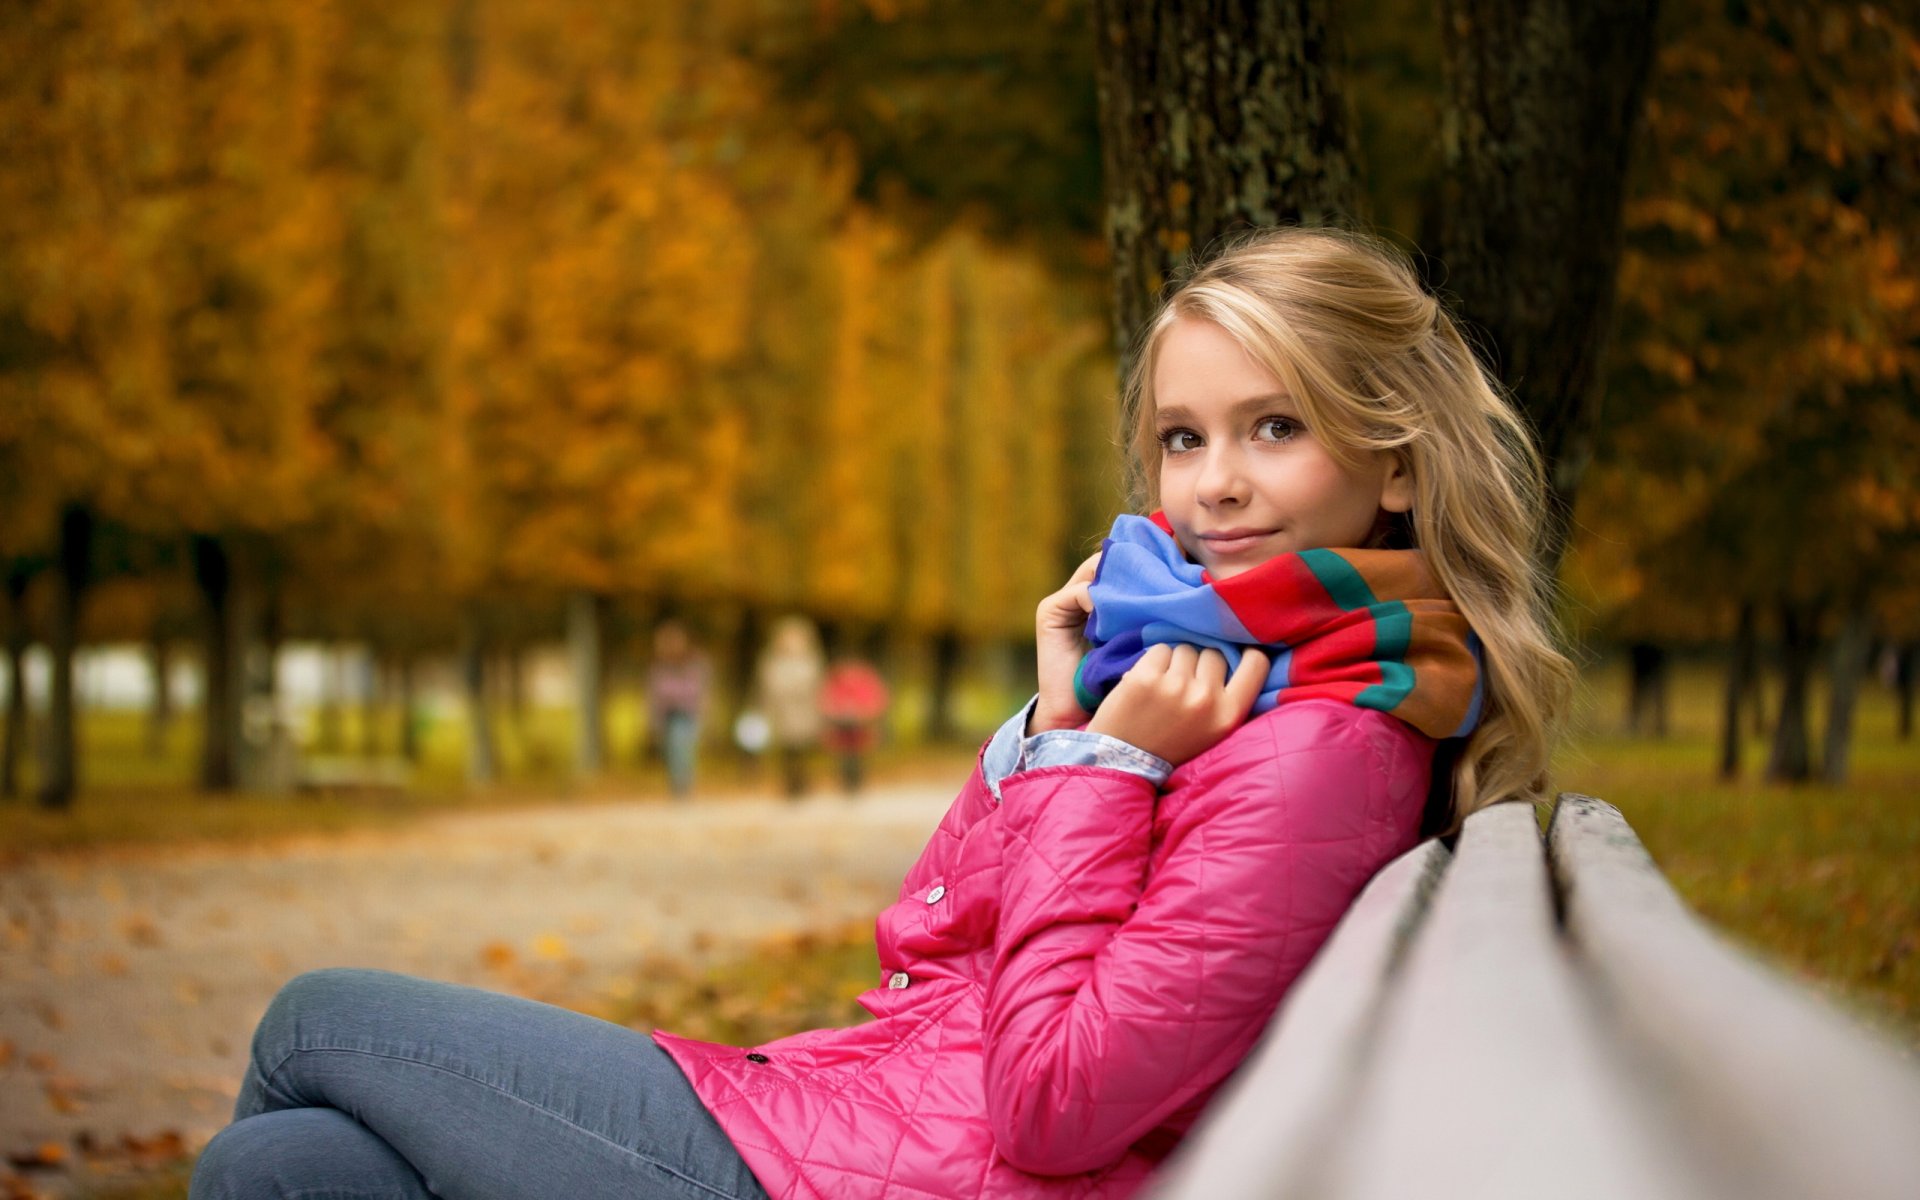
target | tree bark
x=481, y=767
x=1851, y=650
x=1543, y=99
x=1204, y=131
x=1647, y=692
x=372, y=680
x=213, y=572
x=409, y=724
x=160, y=711
x=331, y=736
x=586, y=615
x=1791, y=759
x=18, y=578
x=1740, y=668
x=1905, y=666
x=941, y=726
x=61, y=777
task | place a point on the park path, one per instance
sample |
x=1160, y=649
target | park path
x=130, y=980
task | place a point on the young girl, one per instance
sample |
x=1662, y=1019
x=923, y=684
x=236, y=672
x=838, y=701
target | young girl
x=1342, y=545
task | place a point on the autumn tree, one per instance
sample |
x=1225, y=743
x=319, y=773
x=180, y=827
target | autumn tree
x=1758, y=461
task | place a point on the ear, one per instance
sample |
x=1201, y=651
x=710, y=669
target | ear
x=1396, y=491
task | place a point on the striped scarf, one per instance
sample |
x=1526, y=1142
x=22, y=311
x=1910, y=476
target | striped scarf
x=1372, y=628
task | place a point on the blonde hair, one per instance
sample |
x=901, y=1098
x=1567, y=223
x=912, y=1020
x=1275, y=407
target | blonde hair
x=1376, y=364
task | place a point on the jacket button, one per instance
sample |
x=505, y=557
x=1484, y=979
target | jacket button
x=898, y=980
x=933, y=897
x=757, y=1057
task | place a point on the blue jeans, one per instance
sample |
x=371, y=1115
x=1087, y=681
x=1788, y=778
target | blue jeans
x=680, y=743
x=365, y=1084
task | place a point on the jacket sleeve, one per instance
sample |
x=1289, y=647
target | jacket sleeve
x=1118, y=996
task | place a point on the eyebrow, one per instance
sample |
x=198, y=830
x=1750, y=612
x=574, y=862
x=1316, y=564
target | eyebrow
x=1238, y=409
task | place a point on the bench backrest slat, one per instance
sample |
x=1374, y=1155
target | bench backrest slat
x=1776, y=1084
x=1266, y=1127
x=1489, y=1077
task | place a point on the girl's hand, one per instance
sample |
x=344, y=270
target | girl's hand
x=1059, y=625
x=1177, y=701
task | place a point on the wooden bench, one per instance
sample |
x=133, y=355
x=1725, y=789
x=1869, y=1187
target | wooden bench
x=1515, y=1017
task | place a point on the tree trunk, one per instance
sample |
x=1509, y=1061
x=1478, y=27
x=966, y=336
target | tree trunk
x=1851, y=649
x=1214, y=116
x=409, y=724
x=586, y=614
x=1791, y=758
x=1543, y=98
x=160, y=712
x=371, y=680
x=1904, y=668
x=61, y=777
x=330, y=737
x=481, y=768
x=1647, y=692
x=742, y=666
x=1740, y=667
x=946, y=676
x=219, y=716
x=16, y=730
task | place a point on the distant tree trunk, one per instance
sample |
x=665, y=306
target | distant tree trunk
x=514, y=669
x=481, y=768
x=1905, y=665
x=160, y=712
x=409, y=724
x=941, y=726
x=16, y=732
x=1215, y=115
x=330, y=736
x=1851, y=649
x=371, y=688
x=61, y=777
x=213, y=572
x=1543, y=98
x=1791, y=758
x=1740, y=668
x=586, y=615
x=1647, y=691
x=743, y=660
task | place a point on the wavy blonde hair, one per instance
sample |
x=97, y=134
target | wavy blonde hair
x=1375, y=363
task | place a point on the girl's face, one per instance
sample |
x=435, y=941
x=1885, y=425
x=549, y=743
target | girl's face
x=1242, y=479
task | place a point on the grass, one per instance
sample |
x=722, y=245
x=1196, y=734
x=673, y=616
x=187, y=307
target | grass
x=1822, y=881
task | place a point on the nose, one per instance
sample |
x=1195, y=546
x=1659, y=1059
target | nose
x=1222, y=482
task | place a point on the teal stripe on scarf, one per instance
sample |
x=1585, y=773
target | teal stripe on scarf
x=1392, y=627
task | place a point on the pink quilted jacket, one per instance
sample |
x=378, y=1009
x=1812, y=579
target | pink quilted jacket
x=1072, y=972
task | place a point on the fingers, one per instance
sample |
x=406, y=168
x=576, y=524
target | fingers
x=1212, y=670
x=1154, y=661
x=1182, y=663
x=1085, y=571
x=1248, y=680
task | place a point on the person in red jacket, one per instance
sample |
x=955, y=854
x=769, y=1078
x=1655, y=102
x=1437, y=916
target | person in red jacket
x=1240, y=700
x=853, y=700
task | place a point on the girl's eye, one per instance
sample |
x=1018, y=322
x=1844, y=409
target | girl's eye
x=1173, y=441
x=1276, y=429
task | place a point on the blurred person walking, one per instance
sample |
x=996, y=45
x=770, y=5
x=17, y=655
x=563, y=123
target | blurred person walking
x=853, y=702
x=791, y=674
x=676, y=692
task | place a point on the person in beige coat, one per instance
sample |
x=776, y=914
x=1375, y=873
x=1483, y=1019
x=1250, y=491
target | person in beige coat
x=790, y=677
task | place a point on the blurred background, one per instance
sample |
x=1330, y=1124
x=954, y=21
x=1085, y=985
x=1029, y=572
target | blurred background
x=378, y=376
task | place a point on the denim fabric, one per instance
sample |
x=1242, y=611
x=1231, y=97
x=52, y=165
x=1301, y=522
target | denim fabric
x=1012, y=750
x=368, y=1085
x=680, y=743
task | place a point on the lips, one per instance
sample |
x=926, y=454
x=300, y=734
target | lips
x=1232, y=541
